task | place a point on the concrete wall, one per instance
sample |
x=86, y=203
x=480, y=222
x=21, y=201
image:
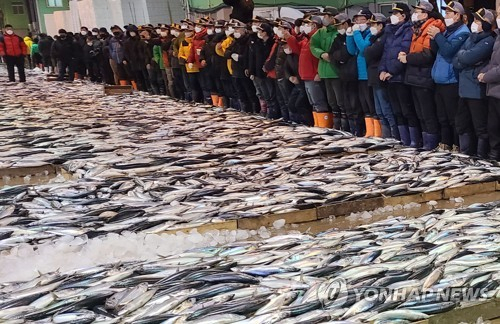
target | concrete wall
x=43, y=10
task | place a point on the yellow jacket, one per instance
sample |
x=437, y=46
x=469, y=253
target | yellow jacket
x=184, y=51
x=222, y=50
x=29, y=42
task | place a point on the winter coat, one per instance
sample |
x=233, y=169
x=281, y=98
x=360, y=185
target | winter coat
x=29, y=42
x=65, y=50
x=45, y=46
x=472, y=57
x=226, y=69
x=373, y=55
x=344, y=61
x=321, y=42
x=176, y=45
x=492, y=71
x=214, y=62
x=199, y=40
x=421, y=58
x=280, y=59
x=92, y=52
x=185, y=52
x=356, y=45
x=239, y=47
x=134, y=52
x=256, y=63
x=13, y=45
x=308, y=63
x=242, y=9
x=116, y=48
x=398, y=40
x=447, y=45
x=291, y=66
x=34, y=49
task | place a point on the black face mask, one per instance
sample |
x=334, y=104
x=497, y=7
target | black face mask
x=102, y=35
x=117, y=33
x=62, y=36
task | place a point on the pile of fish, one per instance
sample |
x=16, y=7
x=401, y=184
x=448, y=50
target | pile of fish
x=407, y=264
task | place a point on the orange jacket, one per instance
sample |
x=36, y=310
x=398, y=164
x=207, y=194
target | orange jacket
x=423, y=41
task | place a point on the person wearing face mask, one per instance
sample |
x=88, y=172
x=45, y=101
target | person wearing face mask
x=134, y=60
x=203, y=78
x=321, y=42
x=258, y=75
x=173, y=57
x=153, y=58
x=444, y=75
x=419, y=62
x=81, y=39
x=95, y=32
x=13, y=50
x=391, y=70
x=348, y=73
x=192, y=69
x=225, y=39
x=472, y=115
x=238, y=53
x=115, y=49
x=490, y=75
x=44, y=46
x=358, y=38
x=65, y=50
x=92, y=51
x=28, y=40
x=162, y=58
x=104, y=66
x=373, y=55
x=308, y=70
x=187, y=30
x=252, y=53
x=211, y=64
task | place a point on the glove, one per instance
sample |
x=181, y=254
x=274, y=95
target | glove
x=235, y=57
x=349, y=31
x=355, y=27
x=190, y=65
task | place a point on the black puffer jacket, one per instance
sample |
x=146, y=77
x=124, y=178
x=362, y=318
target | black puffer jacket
x=134, y=52
x=373, y=55
x=262, y=51
x=341, y=59
x=242, y=9
x=239, y=47
x=65, y=50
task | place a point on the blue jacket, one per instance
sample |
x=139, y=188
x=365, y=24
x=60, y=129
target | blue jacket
x=356, y=45
x=447, y=46
x=398, y=40
x=116, y=49
x=470, y=59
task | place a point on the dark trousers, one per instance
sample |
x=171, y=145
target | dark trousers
x=402, y=104
x=493, y=127
x=284, y=87
x=426, y=109
x=179, y=88
x=472, y=117
x=15, y=61
x=247, y=95
x=37, y=59
x=366, y=99
x=352, y=105
x=298, y=106
x=93, y=70
x=228, y=89
x=105, y=70
x=62, y=66
x=195, y=85
x=334, y=95
x=47, y=62
x=185, y=80
x=269, y=94
x=156, y=79
x=446, y=97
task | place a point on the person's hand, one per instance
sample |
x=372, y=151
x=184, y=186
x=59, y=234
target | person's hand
x=148, y=66
x=294, y=80
x=247, y=73
x=480, y=77
x=124, y=62
x=388, y=76
x=317, y=78
x=432, y=31
x=326, y=57
x=203, y=63
x=402, y=57
x=218, y=46
x=198, y=51
x=252, y=77
x=190, y=65
x=355, y=27
x=349, y=31
x=264, y=69
x=382, y=76
x=235, y=57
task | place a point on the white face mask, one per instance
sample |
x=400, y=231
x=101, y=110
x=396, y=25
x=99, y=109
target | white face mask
x=279, y=34
x=189, y=34
x=341, y=31
x=218, y=30
x=237, y=35
x=414, y=17
x=394, y=19
x=498, y=23
x=228, y=32
x=198, y=29
x=307, y=29
x=301, y=28
x=95, y=33
x=84, y=33
x=175, y=33
x=231, y=29
x=163, y=33
x=474, y=27
x=254, y=28
x=132, y=34
x=89, y=43
x=259, y=35
x=287, y=51
x=184, y=27
x=363, y=27
x=449, y=21
x=373, y=31
x=275, y=30
x=210, y=31
x=158, y=31
x=10, y=32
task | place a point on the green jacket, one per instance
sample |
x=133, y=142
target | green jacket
x=158, y=56
x=320, y=43
x=34, y=49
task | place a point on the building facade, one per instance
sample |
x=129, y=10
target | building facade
x=15, y=13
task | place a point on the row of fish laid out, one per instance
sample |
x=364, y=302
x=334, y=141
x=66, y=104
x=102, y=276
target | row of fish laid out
x=154, y=204
x=393, y=271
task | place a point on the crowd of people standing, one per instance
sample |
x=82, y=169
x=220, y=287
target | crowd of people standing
x=428, y=80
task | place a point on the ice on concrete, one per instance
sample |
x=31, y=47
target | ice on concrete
x=279, y=223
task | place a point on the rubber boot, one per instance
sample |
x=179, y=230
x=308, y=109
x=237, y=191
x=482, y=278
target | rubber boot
x=404, y=135
x=337, y=122
x=369, y=127
x=377, y=128
x=123, y=82
x=464, y=141
x=424, y=140
x=325, y=120
x=215, y=100
x=263, y=107
x=243, y=106
x=482, y=148
x=415, y=137
x=134, y=85
x=354, y=127
x=315, y=117
x=221, y=101
x=386, y=131
x=344, y=122
x=431, y=141
x=307, y=119
x=395, y=133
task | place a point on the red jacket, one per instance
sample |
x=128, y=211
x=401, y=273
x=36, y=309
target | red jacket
x=198, y=43
x=308, y=63
x=13, y=45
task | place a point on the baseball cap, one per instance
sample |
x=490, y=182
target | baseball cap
x=332, y=11
x=484, y=15
x=378, y=18
x=424, y=5
x=400, y=7
x=365, y=12
x=454, y=6
x=341, y=18
x=314, y=19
